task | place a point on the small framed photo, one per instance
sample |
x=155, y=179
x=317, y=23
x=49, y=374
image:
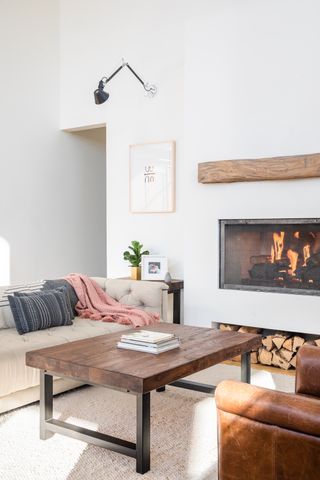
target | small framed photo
x=153, y=267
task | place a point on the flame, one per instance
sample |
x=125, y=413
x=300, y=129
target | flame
x=300, y=257
x=277, y=247
x=293, y=257
x=306, y=254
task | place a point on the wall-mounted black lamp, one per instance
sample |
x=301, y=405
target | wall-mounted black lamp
x=100, y=96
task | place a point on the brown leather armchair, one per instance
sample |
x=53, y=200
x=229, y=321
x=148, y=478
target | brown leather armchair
x=269, y=435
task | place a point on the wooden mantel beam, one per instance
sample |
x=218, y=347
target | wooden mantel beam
x=276, y=168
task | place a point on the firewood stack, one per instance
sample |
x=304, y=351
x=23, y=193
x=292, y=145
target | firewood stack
x=278, y=349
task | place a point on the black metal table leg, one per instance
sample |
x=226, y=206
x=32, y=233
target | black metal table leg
x=46, y=404
x=246, y=367
x=143, y=433
x=176, y=306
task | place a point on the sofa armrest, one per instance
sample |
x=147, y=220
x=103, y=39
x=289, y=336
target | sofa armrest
x=308, y=371
x=286, y=410
x=149, y=296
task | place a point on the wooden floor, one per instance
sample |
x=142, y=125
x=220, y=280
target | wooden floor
x=266, y=368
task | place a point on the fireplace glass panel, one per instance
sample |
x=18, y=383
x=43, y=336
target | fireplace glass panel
x=270, y=255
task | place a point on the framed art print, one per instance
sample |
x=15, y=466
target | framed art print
x=152, y=177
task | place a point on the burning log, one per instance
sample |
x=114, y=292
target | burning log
x=256, y=259
x=314, y=260
x=266, y=271
x=311, y=274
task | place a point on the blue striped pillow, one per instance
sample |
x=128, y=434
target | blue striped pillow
x=40, y=310
x=62, y=289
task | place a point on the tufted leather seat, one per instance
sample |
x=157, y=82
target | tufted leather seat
x=270, y=435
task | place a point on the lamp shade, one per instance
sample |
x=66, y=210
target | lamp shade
x=100, y=96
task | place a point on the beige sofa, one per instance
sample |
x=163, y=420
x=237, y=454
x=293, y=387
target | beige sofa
x=19, y=384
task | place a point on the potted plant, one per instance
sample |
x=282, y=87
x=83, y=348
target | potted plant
x=134, y=257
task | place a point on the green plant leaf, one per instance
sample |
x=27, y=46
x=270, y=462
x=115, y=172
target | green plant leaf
x=135, y=257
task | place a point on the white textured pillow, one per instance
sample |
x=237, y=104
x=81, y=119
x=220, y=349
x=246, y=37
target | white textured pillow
x=6, y=317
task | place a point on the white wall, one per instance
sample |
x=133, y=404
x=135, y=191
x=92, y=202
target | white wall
x=259, y=96
x=149, y=35
x=236, y=80
x=52, y=191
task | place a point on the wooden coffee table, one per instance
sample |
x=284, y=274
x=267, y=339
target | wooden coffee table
x=98, y=361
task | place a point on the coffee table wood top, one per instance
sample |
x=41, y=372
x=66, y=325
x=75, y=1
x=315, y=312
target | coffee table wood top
x=97, y=360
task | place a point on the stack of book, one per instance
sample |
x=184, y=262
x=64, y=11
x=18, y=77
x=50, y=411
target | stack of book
x=150, y=342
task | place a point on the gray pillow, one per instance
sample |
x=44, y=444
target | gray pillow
x=6, y=317
x=38, y=311
x=61, y=282
x=60, y=289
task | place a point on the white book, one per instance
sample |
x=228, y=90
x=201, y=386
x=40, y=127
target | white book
x=148, y=336
x=172, y=341
x=138, y=348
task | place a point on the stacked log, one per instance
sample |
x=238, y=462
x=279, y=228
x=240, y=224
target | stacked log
x=278, y=349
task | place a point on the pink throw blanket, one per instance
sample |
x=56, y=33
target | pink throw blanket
x=96, y=304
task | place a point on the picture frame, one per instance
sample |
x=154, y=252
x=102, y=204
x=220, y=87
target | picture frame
x=153, y=267
x=152, y=177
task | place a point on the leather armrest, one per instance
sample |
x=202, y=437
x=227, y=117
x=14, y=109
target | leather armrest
x=308, y=371
x=286, y=410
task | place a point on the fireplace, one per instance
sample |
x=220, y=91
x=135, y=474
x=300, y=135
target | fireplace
x=272, y=255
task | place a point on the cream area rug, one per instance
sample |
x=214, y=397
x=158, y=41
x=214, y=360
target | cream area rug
x=183, y=433
x=183, y=438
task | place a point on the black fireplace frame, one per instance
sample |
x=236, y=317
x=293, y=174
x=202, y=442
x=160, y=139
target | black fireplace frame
x=265, y=221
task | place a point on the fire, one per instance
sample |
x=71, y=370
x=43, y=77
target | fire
x=293, y=257
x=277, y=247
x=306, y=254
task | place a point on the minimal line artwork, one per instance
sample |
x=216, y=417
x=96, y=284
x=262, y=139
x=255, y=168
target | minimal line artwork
x=152, y=177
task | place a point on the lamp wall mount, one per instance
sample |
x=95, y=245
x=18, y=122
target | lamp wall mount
x=100, y=95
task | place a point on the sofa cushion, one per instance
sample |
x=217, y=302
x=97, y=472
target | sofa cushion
x=6, y=317
x=40, y=310
x=140, y=294
x=15, y=375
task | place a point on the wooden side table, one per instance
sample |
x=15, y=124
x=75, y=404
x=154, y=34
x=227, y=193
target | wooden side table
x=175, y=287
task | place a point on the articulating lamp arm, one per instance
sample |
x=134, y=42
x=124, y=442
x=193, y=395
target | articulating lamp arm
x=150, y=89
